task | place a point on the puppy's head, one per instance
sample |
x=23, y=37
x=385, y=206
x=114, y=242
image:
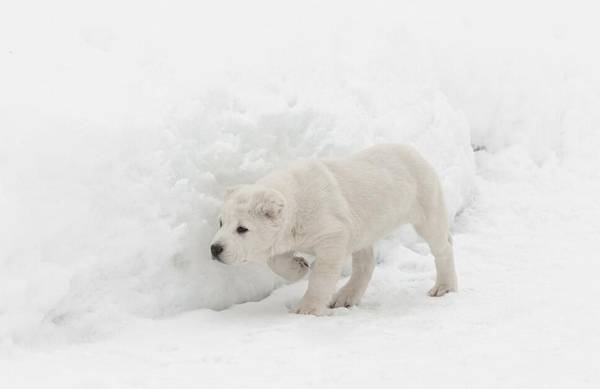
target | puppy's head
x=249, y=222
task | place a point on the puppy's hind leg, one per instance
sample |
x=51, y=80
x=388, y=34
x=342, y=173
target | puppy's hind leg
x=363, y=263
x=435, y=232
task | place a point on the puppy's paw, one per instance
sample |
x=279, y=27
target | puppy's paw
x=439, y=290
x=309, y=308
x=346, y=297
x=290, y=268
x=302, y=264
x=297, y=270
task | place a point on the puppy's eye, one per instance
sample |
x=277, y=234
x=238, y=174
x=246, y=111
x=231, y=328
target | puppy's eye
x=220, y=223
x=241, y=230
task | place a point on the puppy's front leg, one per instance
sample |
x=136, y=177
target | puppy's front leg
x=324, y=274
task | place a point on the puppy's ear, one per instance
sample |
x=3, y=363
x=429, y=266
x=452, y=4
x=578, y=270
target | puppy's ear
x=269, y=203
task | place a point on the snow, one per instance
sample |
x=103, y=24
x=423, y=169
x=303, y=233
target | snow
x=122, y=124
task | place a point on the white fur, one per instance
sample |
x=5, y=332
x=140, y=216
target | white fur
x=334, y=209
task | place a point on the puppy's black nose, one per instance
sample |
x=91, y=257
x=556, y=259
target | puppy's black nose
x=215, y=250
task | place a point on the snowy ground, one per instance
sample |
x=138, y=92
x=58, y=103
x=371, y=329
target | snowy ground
x=527, y=314
x=118, y=138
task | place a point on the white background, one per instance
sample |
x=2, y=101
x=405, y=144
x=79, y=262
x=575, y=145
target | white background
x=121, y=123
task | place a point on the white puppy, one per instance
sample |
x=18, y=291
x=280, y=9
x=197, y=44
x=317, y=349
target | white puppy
x=334, y=209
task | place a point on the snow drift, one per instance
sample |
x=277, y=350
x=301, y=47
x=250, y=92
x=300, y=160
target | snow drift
x=121, y=141
x=119, y=137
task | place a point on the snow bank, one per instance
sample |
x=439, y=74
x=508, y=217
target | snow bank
x=123, y=125
x=524, y=73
